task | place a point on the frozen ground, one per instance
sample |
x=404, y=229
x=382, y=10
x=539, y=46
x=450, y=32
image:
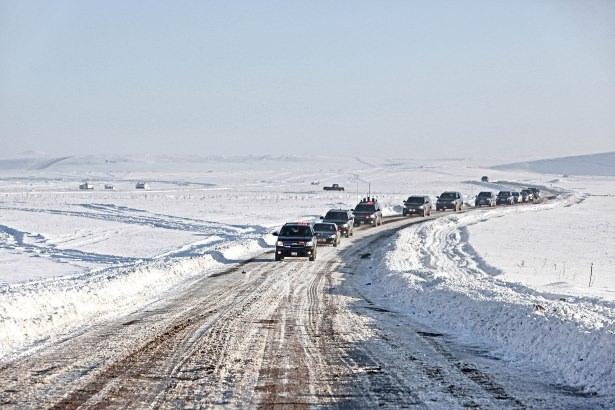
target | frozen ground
x=70, y=258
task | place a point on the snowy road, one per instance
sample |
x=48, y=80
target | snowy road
x=290, y=334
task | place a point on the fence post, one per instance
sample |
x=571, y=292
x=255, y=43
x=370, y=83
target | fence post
x=591, y=273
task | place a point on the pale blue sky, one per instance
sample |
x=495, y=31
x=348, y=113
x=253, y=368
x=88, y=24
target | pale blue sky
x=505, y=79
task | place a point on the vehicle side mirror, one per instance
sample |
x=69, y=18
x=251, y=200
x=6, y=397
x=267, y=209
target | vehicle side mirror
x=276, y=233
x=437, y=197
x=322, y=217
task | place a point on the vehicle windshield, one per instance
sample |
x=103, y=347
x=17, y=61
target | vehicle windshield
x=484, y=194
x=325, y=227
x=504, y=193
x=448, y=195
x=296, y=231
x=365, y=208
x=415, y=200
x=515, y=193
x=337, y=216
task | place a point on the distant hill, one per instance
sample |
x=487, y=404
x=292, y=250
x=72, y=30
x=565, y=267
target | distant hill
x=591, y=165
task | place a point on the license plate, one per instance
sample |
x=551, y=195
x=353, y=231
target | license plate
x=293, y=254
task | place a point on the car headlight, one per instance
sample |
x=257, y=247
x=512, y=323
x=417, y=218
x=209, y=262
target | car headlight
x=345, y=225
x=421, y=207
x=309, y=243
x=279, y=243
x=372, y=216
x=332, y=236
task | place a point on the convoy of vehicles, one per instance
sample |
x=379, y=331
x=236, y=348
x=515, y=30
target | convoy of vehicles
x=368, y=212
x=343, y=218
x=449, y=200
x=417, y=205
x=301, y=239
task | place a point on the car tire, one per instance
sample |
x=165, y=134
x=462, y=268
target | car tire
x=335, y=244
x=313, y=257
x=279, y=258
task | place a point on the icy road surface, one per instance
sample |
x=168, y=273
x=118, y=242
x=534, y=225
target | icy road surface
x=289, y=334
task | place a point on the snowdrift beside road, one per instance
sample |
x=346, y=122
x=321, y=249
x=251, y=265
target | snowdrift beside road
x=432, y=272
x=36, y=311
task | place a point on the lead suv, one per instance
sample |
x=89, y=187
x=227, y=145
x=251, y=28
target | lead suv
x=449, y=200
x=342, y=218
x=296, y=239
x=368, y=211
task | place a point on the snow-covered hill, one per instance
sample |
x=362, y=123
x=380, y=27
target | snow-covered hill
x=602, y=164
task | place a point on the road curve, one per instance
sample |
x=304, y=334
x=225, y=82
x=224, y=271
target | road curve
x=265, y=334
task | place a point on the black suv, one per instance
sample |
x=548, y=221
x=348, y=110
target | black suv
x=368, y=211
x=486, y=198
x=505, y=198
x=417, y=204
x=449, y=200
x=296, y=239
x=342, y=218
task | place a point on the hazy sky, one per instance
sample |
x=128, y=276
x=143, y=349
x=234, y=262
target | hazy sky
x=504, y=79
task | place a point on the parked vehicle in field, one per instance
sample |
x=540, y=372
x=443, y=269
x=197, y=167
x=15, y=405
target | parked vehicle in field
x=109, y=187
x=327, y=233
x=142, y=185
x=417, y=205
x=505, y=198
x=527, y=195
x=368, y=211
x=343, y=218
x=449, y=200
x=296, y=239
x=516, y=196
x=334, y=187
x=485, y=198
x=485, y=178
x=86, y=186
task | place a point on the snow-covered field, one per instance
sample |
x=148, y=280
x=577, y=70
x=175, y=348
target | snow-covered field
x=514, y=279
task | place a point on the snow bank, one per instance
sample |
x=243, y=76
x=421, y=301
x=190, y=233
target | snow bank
x=432, y=272
x=33, y=312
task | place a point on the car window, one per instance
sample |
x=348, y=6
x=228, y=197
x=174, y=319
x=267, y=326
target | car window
x=296, y=231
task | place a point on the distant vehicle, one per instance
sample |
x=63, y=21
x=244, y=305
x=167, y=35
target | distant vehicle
x=109, y=187
x=86, y=186
x=343, y=218
x=505, y=198
x=449, y=200
x=417, y=205
x=334, y=187
x=527, y=195
x=517, y=196
x=315, y=183
x=142, y=185
x=485, y=178
x=536, y=192
x=296, y=239
x=327, y=233
x=368, y=211
x=485, y=198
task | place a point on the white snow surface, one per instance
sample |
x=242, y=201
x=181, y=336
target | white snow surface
x=70, y=258
x=433, y=271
